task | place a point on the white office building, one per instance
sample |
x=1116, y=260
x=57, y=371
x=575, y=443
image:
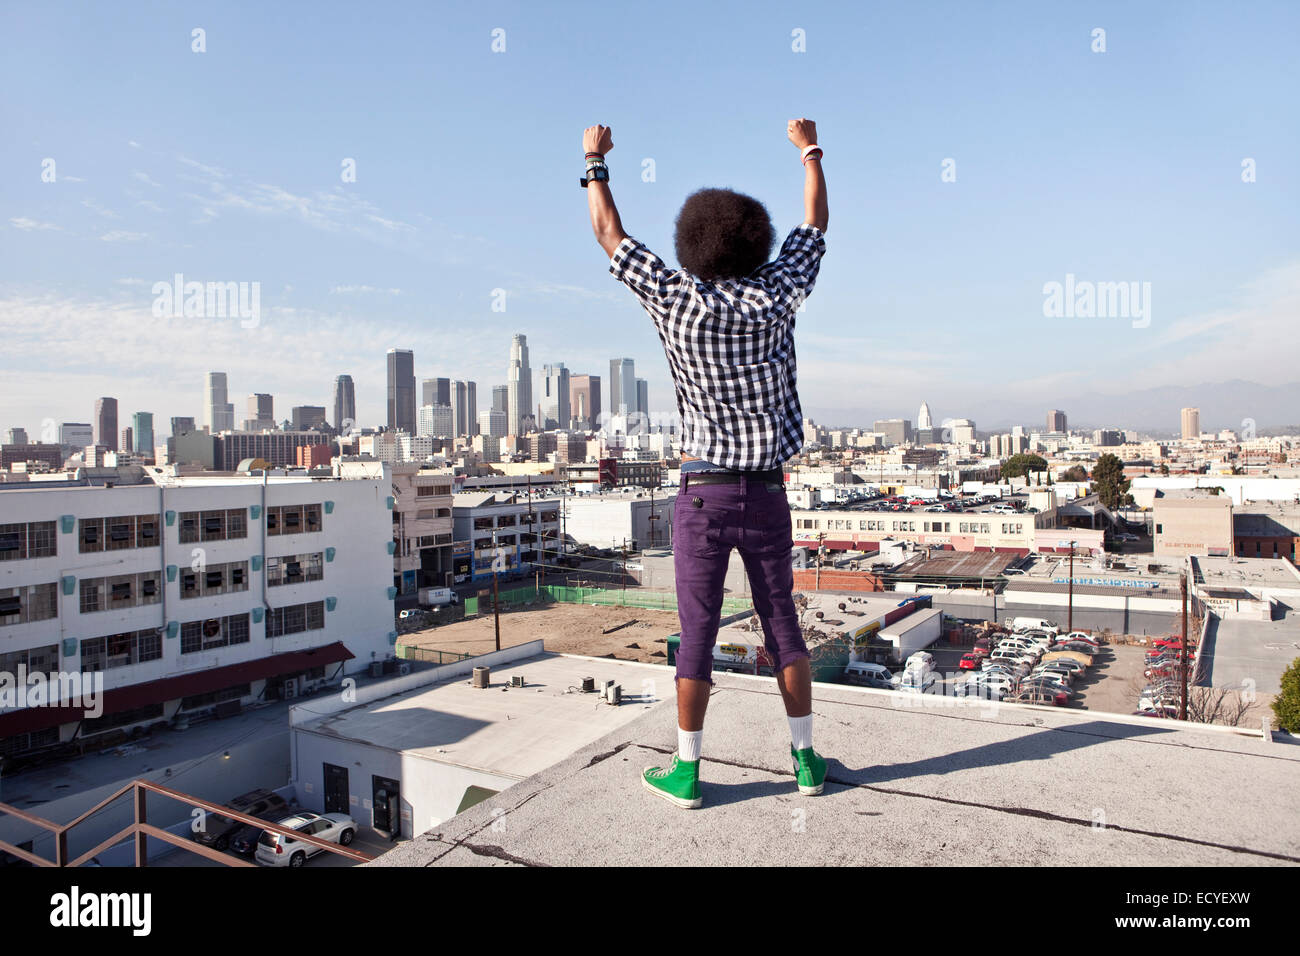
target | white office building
x=187, y=593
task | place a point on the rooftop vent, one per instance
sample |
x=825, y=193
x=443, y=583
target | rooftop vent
x=482, y=678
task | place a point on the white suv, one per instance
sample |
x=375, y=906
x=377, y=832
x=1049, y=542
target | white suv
x=274, y=849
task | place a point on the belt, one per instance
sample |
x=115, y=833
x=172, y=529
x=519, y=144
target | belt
x=731, y=477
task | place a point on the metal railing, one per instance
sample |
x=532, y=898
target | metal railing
x=139, y=830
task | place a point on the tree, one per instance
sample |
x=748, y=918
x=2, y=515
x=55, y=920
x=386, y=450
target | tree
x=1109, y=482
x=1164, y=469
x=1074, y=473
x=1286, y=705
x=1020, y=465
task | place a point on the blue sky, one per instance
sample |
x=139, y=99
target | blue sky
x=225, y=166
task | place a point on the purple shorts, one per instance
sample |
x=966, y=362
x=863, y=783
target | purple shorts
x=708, y=521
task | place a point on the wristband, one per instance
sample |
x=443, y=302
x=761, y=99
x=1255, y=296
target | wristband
x=808, y=151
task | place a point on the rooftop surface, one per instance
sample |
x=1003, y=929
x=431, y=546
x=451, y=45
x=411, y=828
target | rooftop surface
x=991, y=785
x=507, y=730
x=1245, y=572
x=1240, y=653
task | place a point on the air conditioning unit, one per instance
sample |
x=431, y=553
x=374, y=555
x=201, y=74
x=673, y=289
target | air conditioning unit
x=404, y=668
x=290, y=689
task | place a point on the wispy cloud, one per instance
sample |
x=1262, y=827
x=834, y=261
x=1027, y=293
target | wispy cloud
x=123, y=235
x=355, y=289
x=101, y=210
x=27, y=225
x=211, y=171
x=145, y=178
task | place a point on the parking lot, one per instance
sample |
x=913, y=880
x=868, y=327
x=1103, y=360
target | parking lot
x=1110, y=684
x=366, y=841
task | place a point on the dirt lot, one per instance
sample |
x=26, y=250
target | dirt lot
x=564, y=628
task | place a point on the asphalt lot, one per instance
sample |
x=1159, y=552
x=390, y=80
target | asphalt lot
x=366, y=841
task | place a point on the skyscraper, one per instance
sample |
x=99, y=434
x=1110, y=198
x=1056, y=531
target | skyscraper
x=183, y=425
x=1056, y=420
x=106, y=423
x=554, y=406
x=307, y=417
x=435, y=391
x=345, y=403
x=463, y=401
x=501, y=398
x=642, y=396
x=218, y=413
x=401, y=390
x=471, y=408
x=584, y=400
x=142, y=427
x=1191, y=423
x=261, y=406
x=519, y=380
x=622, y=386
x=923, y=418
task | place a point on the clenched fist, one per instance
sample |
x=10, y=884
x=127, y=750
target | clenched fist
x=802, y=132
x=597, y=139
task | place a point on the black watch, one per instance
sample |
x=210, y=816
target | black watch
x=599, y=174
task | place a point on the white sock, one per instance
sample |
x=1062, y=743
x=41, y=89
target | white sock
x=801, y=731
x=689, y=743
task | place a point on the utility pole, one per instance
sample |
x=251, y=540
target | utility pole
x=1182, y=700
x=820, y=536
x=625, y=570
x=1069, y=620
x=653, y=517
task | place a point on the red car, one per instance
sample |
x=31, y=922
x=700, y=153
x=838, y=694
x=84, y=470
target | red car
x=970, y=662
x=1174, y=643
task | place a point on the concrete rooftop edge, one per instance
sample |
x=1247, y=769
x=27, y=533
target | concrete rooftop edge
x=994, y=784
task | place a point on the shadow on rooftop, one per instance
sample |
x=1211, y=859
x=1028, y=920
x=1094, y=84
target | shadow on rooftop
x=1040, y=746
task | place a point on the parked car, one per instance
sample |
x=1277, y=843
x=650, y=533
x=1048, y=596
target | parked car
x=1040, y=695
x=1034, y=624
x=970, y=662
x=275, y=849
x=218, y=830
x=915, y=681
x=868, y=675
x=1078, y=657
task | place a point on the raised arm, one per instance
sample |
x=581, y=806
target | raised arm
x=596, y=142
x=803, y=133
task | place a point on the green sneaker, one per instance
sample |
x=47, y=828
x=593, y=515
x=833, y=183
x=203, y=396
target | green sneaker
x=809, y=769
x=679, y=783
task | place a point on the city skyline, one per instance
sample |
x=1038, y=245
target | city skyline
x=400, y=257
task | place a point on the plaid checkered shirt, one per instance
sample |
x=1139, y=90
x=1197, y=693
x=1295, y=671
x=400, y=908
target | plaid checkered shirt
x=730, y=348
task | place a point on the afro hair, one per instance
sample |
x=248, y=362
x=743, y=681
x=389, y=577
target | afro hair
x=722, y=234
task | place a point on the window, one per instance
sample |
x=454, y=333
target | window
x=295, y=569
x=214, y=579
x=146, y=530
x=89, y=596
x=295, y=519
x=34, y=602
x=120, y=591
x=119, y=533
x=33, y=659
x=295, y=619
x=213, y=525
x=214, y=632
x=36, y=539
